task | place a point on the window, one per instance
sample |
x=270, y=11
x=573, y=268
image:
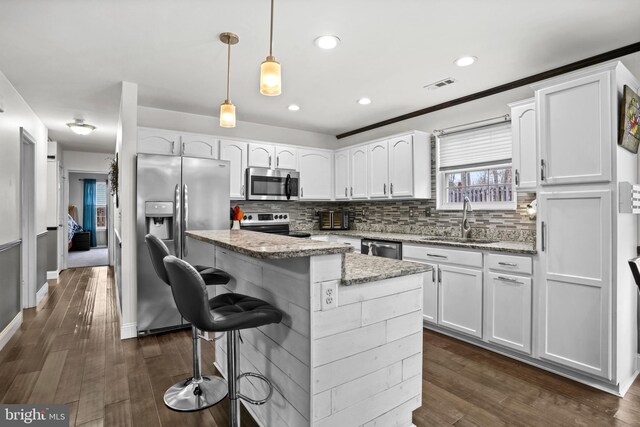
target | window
x=476, y=164
x=101, y=205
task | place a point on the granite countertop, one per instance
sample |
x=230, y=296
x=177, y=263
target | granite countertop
x=267, y=246
x=510, y=247
x=358, y=268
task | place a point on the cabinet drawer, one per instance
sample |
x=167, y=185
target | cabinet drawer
x=513, y=264
x=439, y=255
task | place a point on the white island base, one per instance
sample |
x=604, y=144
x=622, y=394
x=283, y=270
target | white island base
x=357, y=364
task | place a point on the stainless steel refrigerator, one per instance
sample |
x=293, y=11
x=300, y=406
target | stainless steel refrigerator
x=175, y=194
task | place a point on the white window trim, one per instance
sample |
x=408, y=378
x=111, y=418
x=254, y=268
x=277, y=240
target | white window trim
x=493, y=206
x=103, y=206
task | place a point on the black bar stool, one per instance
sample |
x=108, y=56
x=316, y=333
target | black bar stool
x=224, y=313
x=197, y=392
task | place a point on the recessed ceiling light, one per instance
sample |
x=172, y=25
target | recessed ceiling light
x=364, y=101
x=80, y=127
x=327, y=42
x=293, y=107
x=465, y=61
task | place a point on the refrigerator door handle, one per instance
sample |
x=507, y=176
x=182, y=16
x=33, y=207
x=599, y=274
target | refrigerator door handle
x=176, y=221
x=185, y=224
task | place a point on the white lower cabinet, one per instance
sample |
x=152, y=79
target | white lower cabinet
x=430, y=295
x=460, y=299
x=508, y=309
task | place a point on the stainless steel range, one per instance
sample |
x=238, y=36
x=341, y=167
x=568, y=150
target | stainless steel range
x=273, y=222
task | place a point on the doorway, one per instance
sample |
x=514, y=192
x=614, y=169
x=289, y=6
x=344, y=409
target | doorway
x=88, y=220
x=28, y=218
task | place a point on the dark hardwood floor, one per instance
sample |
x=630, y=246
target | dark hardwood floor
x=68, y=351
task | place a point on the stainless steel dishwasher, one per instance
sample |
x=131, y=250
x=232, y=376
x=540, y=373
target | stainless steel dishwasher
x=383, y=248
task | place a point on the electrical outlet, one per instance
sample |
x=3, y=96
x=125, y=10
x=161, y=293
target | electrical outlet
x=329, y=296
x=411, y=212
x=427, y=212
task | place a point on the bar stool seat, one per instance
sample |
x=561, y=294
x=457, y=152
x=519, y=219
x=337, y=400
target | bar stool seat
x=228, y=313
x=212, y=276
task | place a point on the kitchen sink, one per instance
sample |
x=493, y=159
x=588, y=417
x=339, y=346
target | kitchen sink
x=458, y=239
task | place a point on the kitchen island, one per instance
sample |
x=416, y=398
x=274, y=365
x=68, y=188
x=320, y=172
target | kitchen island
x=349, y=349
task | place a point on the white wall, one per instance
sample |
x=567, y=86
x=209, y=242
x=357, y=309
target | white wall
x=80, y=161
x=17, y=114
x=209, y=125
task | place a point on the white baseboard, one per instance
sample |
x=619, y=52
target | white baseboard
x=128, y=330
x=42, y=292
x=52, y=275
x=10, y=330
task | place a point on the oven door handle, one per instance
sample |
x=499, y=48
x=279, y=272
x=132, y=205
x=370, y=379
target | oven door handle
x=287, y=186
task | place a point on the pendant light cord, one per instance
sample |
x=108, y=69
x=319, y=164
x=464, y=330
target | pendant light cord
x=271, y=32
x=228, y=66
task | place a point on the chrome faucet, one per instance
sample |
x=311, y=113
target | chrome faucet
x=465, y=228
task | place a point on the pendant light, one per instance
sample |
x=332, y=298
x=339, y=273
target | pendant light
x=227, y=109
x=270, y=75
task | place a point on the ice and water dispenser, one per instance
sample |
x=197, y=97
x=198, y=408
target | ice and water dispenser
x=159, y=219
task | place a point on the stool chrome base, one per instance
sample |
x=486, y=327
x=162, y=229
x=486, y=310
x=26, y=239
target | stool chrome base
x=190, y=395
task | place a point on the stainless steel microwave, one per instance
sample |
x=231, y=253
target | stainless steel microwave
x=269, y=184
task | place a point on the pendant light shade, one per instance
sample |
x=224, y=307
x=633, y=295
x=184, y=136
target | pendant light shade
x=270, y=71
x=227, y=109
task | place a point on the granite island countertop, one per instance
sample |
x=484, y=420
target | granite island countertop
x=497, y=246
x=267, y=246
x=360, y=268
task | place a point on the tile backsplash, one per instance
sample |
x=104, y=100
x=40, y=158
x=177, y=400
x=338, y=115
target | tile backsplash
x=409, y=216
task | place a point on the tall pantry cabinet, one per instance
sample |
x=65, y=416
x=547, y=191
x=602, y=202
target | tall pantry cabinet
x=586, y=297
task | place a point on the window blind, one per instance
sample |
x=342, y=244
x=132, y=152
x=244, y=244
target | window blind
x=101, y=193
x=479, y=147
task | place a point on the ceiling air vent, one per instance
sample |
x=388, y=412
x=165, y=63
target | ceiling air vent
x=440, y=83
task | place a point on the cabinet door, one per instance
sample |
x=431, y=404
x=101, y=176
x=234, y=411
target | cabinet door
x=460, y=299
x=342, y=185
x=286, y=158
x=379, y=169
x=205, y=146
x=359, y=173
x=236, y=153
x=574, y=126
x=509, y=311
x=401, y=167
x=158, y=141
x=523, y=132
x=261, y=155
x=315, y=175
x=575, y=296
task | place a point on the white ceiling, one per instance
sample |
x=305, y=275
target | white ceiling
x=67, y=57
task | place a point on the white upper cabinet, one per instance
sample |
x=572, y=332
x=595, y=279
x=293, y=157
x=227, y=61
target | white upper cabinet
x=359, y=174
x=401, y=166
x=236, y=153
x=575, y=129
x=379, y=169
x=205, y=146
x=523, y=132
x=261, y=155
x=342, y=184
x=316, y=174
x=286, y=158
x=158, y=141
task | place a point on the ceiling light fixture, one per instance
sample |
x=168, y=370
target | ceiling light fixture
x=270, y=71
x=294, y=107
x=465, y=61
x=227, y=109
x=364, y=101
x=327, y=42
x=79, y=127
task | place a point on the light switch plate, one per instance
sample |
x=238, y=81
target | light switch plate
x=329, y=295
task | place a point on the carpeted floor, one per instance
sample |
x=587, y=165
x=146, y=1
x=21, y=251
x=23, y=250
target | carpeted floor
x=90, y=258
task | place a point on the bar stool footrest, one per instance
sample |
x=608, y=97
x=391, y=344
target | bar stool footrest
x=260, y=377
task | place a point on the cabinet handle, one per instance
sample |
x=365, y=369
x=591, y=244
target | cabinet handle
x=269, y=160
x=384, y=189
x=437, y=256
x=391, y=188
x=242, y=190
x=345, y=191
x=542, y=166
x=508, y=279
x=278, y=161
x=301, y=191
x=173, y=147
x=433, y=275
x=351, y=191
x=517, y=177
x=183, y=148
x=439, y=276
x=510, y=264
x=544, y=229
